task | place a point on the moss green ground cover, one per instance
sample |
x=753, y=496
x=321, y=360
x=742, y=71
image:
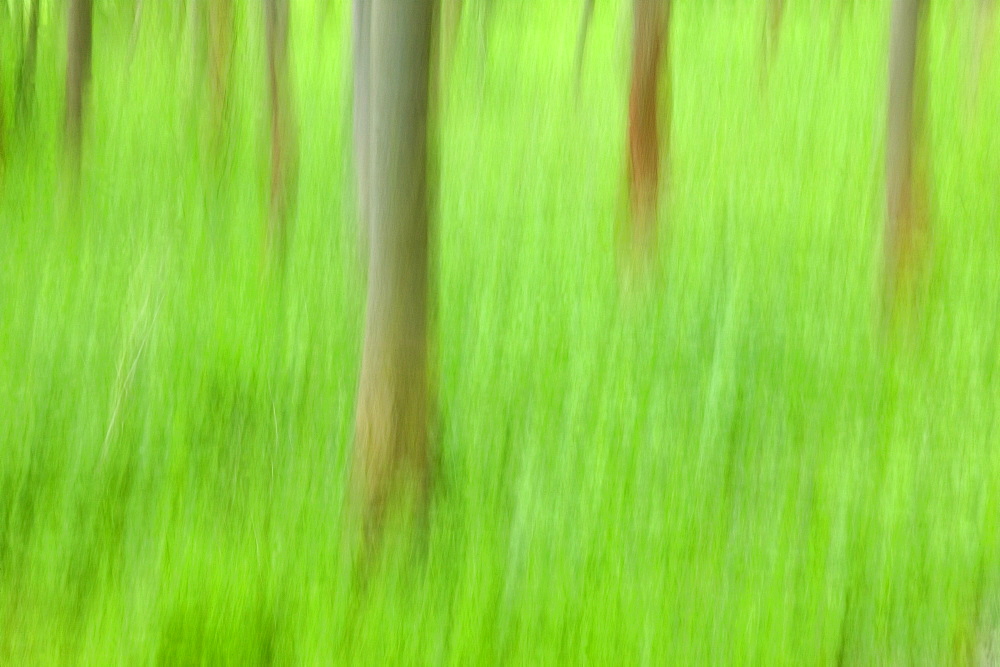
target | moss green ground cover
x=732, y=466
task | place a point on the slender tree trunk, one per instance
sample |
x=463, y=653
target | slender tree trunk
x=220, y=25
x=78, y=48
x=284, y=128
x=906, y=148
x=392, y=444
x=775, y=13
x=361, y=37
x=581, y=38
x=26, y=71
x=651, y=20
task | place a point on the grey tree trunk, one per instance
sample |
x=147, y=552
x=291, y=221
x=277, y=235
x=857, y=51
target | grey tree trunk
x=906, y=161
x=284, y=129
x=78, y=48
x=392, y=449
x=581, y=38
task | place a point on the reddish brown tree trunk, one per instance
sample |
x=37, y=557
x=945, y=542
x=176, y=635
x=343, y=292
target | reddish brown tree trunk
x=284, y=133
x=649, y=44
x=220, y=27
x=774, y=14
x=78, y=49
x=906, y=149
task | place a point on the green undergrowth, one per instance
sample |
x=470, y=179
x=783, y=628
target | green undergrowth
x=734, y=463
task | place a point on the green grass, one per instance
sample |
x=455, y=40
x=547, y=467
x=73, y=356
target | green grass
x=732, y=466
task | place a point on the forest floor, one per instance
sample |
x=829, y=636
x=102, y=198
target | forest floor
x=737, y=464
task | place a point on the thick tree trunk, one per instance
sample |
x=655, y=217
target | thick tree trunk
x=651, y=20
x=392, y=444
x=26, y=71
x=581, y=38
x=78, y=48
x=906, y=148
x=361, y=37
x=284, y=128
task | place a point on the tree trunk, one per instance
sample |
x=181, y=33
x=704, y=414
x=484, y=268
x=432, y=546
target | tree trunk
x=284, y=130
x=906, y=148
x=651, y=20
x=392, y=444
x=78, y=47
x=581, y=38
x=220, y=26
x=772, y=32
x=26, y=71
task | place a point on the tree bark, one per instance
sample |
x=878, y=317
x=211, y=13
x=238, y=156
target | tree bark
x=392, y=444
x=284, y=129
x=906, y=148
x=651, y=19
x=78, y=49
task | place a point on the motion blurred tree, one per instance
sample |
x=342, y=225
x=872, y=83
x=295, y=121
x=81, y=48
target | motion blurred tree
x=392, y=447
x=284, y=128
x=650, y=46
x=220, y=43
x=906, y=161
x=78, y=50
x=775, y=12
